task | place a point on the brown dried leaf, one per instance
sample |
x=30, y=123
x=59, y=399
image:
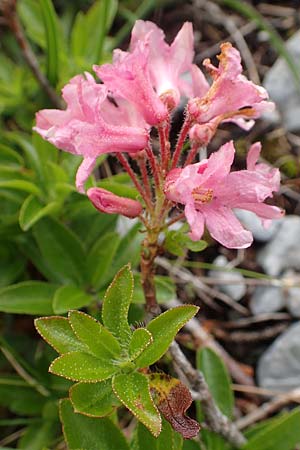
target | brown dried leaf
x=173, y=399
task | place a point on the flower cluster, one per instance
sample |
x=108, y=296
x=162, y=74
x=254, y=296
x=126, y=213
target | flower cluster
x=139, y=90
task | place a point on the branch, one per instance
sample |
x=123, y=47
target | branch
x=8, y=8
x=268, y=408
x=215, y=420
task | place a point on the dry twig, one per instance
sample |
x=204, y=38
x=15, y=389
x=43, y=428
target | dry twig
x=268, y=408
x=215, y=420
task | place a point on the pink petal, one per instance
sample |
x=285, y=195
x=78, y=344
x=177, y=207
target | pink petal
x=253, y=155
x=129, y=78
x=219, y=164
x=109, y=203
x=263, y=210
x=231, y=94
x=166, y=62
x=225, y=228
x=199, y=82
x=195, y=220
x=83, y=172
x=88, y=127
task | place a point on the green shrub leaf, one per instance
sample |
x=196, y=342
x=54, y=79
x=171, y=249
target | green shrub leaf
x=140, y=340
x=28, y=297
x=70, y=297
x=134, y=392
x=93, y=334
x=163, y=329
x=116, y=305
x=58, y=332
x=93, y=399
x=80, y=366
x=89, y=433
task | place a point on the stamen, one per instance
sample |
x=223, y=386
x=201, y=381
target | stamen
x=202, y=195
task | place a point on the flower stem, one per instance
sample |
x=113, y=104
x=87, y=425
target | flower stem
x=191, y=156
x=182, y=137
x=154, y=166
x=134, y=178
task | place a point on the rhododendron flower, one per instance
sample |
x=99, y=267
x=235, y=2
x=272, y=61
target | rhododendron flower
x=109, y=203
x=166, y=62
x=210, y=192
x=231, y=97
x=129, y=78
x=91, y=125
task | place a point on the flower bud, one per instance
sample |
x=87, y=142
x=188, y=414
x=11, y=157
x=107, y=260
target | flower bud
x=109, y=203
x=202, y=134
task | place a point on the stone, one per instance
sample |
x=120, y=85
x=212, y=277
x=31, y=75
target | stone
x=282, y=88
x=266, y=299
x=234, y=291
x=279, y=367
x=283, y=250
x=253, y=224
x=293, y=301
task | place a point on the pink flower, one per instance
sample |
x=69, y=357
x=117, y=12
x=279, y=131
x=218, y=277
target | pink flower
x=91, y=125
x=109, y=203
x=166, y=62
x=129, y=78
x=231, y=97
x=210, y=191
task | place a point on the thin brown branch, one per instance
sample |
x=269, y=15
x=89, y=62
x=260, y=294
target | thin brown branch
x=215, y=420
x=186, y=276
x=268, y=408
x=8, y=9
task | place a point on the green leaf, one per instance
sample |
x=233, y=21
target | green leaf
x=62, y=250
x=217, y=378
x=177, y=242
x=10, y=156
x=168, y=438
x=134, y=392
x=21, y=185
x=140, y=340
x=283, y=434
x=33, y=210
x=21, y=399
x=128, y=251
x=86, y=433
x=58, y=332
x=51, y=32
x=93, y=399
x=191, y=445
x=38, y=437
x=70, y=297
x=93, y=334
x=12, y=264
x=165, y=289
x=116, y=305
x=28, y=297
x=100, y=258
x=80, y=366
x=87, y=48
x=30, y=14
x=163, y=329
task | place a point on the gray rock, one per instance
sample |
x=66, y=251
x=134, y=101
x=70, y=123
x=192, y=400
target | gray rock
x=281, y=86
x=235, y=291
x=283, y=251
x=293, y=301
x=279, y=367
x=253, y=224
x=266, y=299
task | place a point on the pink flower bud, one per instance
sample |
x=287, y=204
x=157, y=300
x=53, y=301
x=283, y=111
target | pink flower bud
x=109, y=203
